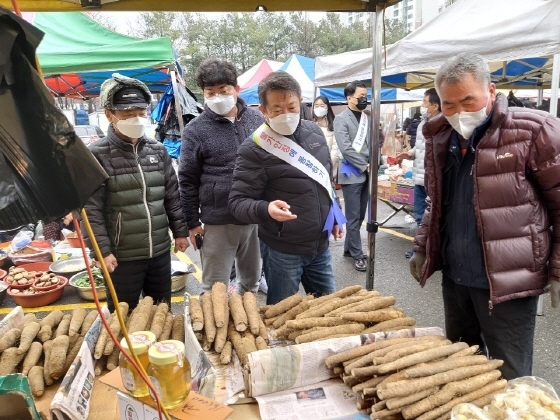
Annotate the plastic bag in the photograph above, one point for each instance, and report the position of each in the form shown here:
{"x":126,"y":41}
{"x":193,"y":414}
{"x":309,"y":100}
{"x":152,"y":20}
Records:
{"x":467,"y":412}
{"x":21,"y":240}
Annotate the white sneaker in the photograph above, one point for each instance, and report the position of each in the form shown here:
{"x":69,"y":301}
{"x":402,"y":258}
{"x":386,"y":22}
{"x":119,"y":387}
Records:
{"x":263,"y":287}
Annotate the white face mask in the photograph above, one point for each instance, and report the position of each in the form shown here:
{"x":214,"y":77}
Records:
{"x":132,"y":127}
{"x":320,"y":111}
{"x":465,"y":122}
{"x":220,"y":104}
{"x":284,"y":124}
{"x":423,"y":111}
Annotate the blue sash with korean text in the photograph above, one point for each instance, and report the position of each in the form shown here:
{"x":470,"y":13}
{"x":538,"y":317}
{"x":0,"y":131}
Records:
{"x":293,"y":154}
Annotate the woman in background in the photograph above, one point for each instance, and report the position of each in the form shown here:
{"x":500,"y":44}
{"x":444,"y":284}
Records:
{"x":323,"y":115}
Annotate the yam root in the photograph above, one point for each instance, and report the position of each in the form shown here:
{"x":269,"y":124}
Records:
{"x":209,"y":323}
{"x":158,"y":320}
{"x":329,"y":306}
{"x":71,"y":356}
{"x":252,"y":311}
{"x":394,"y":403}
{"x":306,"y":323}
{"x":260,"y":343}
{"x":57,"y":358}
{"x":471,"y":384}
{"x":379,"y":315}
{"x":370,"y":383}
{"x":167,"y":326}
{"x":322,"y":334}
{"x":63,"y":326}
{"x":467,"y":352}
{"x":291,"y":314}
{"x":219,"y":302}
{"x":197,"y":317}
{"x":88,"y":321}
{"x":47,"y":346}
{"x":141,"y":317}
{"x":48,"y":324}
{"x":345,"y":304}
{"x":36,"y":381}
{"x":32,"y":356}
{"x":100,"y":366}
{"x":27,"y":319}
{"x":78,"y":317}
{"x":115,"y":327}
{"x":238,"y":312}
{"x":391,"y":325}
{"x":283,"y":306}
{"x":9,"y":360}
{"x":270,"y":321}
{"x":113,"y":359}
{"x":10,"y":338}
{"x":102,"y":339}
{"x":225,"y":355}
{"x":409,"y":386}
{"x":384,"y":413}
{"x":408,"y":350}
{"x":221,"y":332}
{"x":263,"y":333}
{"x":28,"y":334}
{"x":347,"y":291}
{"x":364,"y":298}
{"x":374,"y":304}
{"x":426,"y":369}
{"x":178,"y":330}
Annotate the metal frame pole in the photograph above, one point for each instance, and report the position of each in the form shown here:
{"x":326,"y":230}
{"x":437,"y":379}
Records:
{"x":554,"y":84}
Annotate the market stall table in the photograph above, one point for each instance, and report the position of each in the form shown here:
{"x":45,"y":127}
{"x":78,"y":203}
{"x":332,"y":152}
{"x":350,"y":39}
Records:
{"x":397,"y":197}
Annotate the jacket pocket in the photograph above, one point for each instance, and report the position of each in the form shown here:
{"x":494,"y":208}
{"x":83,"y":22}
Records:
{"x":118,"y":230}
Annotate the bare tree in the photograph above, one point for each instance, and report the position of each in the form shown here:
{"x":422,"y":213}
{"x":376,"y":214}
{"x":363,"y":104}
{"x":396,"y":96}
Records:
{"x":103,"y":19}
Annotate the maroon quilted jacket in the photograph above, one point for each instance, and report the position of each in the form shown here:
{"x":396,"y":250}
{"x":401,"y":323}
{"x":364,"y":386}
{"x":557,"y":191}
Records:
{"x":516,"y":199}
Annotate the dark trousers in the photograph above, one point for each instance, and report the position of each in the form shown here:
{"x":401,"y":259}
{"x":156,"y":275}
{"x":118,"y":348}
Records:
{"x":507,"y":333}
{"x":151,"y":277}
{"x":355,"y":206}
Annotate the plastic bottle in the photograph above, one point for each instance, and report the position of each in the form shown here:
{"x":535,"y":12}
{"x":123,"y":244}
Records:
{"x":141,"y":342}
{"x":170,"y":372}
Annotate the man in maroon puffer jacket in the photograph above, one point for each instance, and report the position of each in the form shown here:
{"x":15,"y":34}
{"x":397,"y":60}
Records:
{"x":493,"y":182}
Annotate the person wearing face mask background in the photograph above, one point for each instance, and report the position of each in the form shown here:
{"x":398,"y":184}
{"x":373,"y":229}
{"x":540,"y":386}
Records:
{"x":493,"y":182}
{"x":323,"y":115}
{"x":208,"y":150}
{"x":352,"y":134}
{"x":132,"y":213}
{"x":282,"y":182}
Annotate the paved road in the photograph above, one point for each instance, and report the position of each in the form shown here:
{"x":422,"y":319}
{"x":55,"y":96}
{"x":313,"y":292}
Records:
{"x":392,"y":278}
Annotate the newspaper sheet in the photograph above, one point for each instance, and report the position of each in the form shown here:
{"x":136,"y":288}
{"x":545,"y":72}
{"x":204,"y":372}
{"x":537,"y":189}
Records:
{"x":13,"y":320}
{"x":282,"y":368}
{"x":330,"y":399}
{"x":72,"y":400}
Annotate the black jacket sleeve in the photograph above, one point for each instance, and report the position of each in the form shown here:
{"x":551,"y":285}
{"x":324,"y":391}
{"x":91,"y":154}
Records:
{"x":95,"y":212}
{"x":190,"y":171}
{"x":172,"y":202}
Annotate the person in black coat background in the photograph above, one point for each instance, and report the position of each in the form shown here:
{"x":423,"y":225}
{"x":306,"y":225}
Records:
{"x":413,"y":128}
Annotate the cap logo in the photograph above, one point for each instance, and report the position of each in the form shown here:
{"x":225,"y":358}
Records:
{"x":130,"y":95}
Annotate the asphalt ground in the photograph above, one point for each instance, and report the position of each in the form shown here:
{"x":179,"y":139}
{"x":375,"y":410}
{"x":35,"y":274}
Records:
{"x":392,"y":277}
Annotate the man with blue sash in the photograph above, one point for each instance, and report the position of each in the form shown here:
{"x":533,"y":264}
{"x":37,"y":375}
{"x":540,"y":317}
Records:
{"x":283,"y":182}
{"x":352,"y":134}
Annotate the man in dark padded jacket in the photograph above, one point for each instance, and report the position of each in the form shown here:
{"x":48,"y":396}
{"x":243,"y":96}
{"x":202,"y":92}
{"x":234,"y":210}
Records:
{"x":131,"y":214}
{"x":282,"y":182}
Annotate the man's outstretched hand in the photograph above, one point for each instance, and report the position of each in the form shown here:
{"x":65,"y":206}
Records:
{"x":280,"y":211}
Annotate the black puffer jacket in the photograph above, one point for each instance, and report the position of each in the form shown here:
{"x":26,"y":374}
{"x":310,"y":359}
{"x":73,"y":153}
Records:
{"x":412,"y":130}
{"x":131,"y":214}
{"x":261,"y":177}
{"x":208,"y":150}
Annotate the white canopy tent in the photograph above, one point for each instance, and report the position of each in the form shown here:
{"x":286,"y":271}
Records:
{"x":510,"y":34}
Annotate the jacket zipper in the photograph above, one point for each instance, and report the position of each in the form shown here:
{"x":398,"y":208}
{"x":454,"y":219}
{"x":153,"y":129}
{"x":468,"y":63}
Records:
{"x":118,"y":230}
{"x":144,"y":198}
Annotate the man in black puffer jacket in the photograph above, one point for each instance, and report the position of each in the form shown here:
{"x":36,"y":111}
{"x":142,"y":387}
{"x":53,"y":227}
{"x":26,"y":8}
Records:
{"x":208,"y":152}
{"x":290,"y":207}
{"x":131,"y":214}
{"x":413,"y":128}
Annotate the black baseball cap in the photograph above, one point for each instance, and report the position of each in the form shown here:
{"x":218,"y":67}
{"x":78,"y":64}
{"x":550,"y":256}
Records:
{"x":130,"y":98}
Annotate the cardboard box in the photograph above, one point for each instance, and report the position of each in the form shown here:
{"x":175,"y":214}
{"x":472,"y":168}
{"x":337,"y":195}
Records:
{"x":384,"y":189}
{"x":16,"y":400}
{"x":402,"y":195}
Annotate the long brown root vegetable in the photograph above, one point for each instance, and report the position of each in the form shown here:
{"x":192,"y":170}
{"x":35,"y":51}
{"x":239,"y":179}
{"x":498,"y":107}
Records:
{"x":306,"y":323}
{"x":283,"y":306}
{"x":467,"y":352}
{"x":263,"y":333}
{"x":340,"y":329}
{"x":347,"y":291}
{"x":330,"y":306}
{"x":291,"y":314}
{"x":394,"y":403}
{"x":28,"y":334}
{"x":32,"y":356}
{"x":479,"y":393}
{"x":178,"y":330}
{"x":426,"y":369}
{"x":429,"y":403}
{"x":225,"y":355}
{"x":63,"y":326}
{"x":113,"y":359}
{"x":238,"y":312}
{"x":349,"y":302}
{"x":391,"y":325}
{"x":260,"y":343}
{"x":88,"y":321}
{"x":9,"y":360}
{"x":158,"y":320}
{"x":27,"y":319}
{"x":48,"y":323}
{"x":209,"y":323}
{"x":408,"y":386}
{"x":373,"y":304}
{"x":36,"y":381}
{"x":10,"y":338}
{"x":71,"y":356}
{"x":296,"y":333}
{"x":315,"y":308}
{"x":247,"y":346}
{"x":221,"y":332}
{"x":100,"y":366}
{"x":167,"y":326}
{"x":271,"y":321}
{"x":422,"y":357}
{"x":47,"y":346}
{"x":219,"y":302}
{"x":252,"y":311}
{"x":409,"y":350}
{"x":384,"y":413}
{"x":57,"y":358}
{"x":142,"y":315}
{"x":378,"y":315}
{"x":470,"y":384}
{"x":197,"y":317}
{"x":78,"y":317}
{"x":102,"y":339}
{"x":115,"y":327}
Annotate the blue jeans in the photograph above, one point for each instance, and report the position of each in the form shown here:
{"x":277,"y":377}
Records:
{"x":284,"y":273}
{"x":419,"y":203}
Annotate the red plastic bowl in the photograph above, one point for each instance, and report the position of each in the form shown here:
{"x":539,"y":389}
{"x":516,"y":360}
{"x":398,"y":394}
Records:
{"x":38,"y":299}
{"x":61,"y":280}
{"x":38,"y":266}
{"x":16,"y":286}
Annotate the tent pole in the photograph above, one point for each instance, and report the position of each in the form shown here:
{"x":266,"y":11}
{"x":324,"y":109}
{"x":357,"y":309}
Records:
{"x":372,"y":225}
{"x":177,"y":102}
{"x":540,"y":92}
{"x":554,"y":84}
